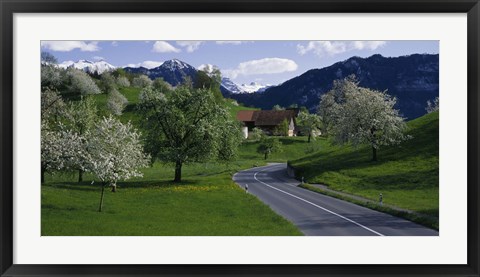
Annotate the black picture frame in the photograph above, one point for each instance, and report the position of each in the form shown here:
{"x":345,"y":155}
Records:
{"x":9,"y":7}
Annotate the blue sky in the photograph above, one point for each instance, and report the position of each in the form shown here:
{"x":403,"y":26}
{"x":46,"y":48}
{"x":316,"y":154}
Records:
{"x":267,"y":62}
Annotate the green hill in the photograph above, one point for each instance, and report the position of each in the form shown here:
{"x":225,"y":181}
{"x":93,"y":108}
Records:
{"x":407,"y":175}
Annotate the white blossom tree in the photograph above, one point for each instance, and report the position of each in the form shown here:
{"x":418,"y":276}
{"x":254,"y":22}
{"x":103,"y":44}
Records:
{"x":278,"y":108}
{"x":122,"y":81}
{"x":257,"y":134}
{"x":116,"y":102}
{"x":433,"y":107}
{"x":160,"y":85}
{"x":141,"y":81}
{"x":309,"y":123}
{"x":329,"y":107}
{"x":81,"y":117}
{"x":60,"y":148}
{"x":116,"y":153}
{"x":51,"y":76}
{"x":80,"y":83}
{"x":108,"y":82}
{"x":366,"y":116}
{"x":52,"y":105}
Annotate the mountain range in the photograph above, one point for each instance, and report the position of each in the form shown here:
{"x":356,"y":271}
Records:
{"x":412,"y":79}
{"x":173,"y":71}
{"x":89,"y":66}
{"x":228,"y":86}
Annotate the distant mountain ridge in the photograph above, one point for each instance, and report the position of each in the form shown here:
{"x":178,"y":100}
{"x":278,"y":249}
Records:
{"x":412,"y":79}
{"x":173,"y":71}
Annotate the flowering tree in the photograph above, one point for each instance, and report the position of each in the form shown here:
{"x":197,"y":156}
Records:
{"x":309,"y":123}
{"x":116,"y":102}
{"x":116,"y":153}
{"x":81,"y":116}
{"x":433,"y":107}
{"x":141,"y":81}
{"x":51,"y":76}
{"x":257,"y":134}
{"x":122,"y":81}
{"x":329,"y":107}
{"x":60,"y":148}
{"x":108,"y":82}
{"x":52,"y":105}
{"x":160,"y":85}
{"x":362,"y":115}
{"x":269,"y":145}
{"x":80,"y":83}
{"x":187,"y":125}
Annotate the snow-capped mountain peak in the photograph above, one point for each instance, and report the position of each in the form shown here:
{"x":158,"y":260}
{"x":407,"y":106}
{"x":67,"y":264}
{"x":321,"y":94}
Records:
{"x":88,"y":66}
{"x":243,"y":88}
{"x":175,"y":64}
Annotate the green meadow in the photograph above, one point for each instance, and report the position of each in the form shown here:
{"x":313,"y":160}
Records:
{"x":208,"y":202}
{"x":406,"y":175}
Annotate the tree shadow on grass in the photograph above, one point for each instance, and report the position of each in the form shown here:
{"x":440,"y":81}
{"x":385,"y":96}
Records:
{"x":55,"y":207}
{"x":406,"y":181}
{"x":288,"y":141}
{"x":354,"y":159}
{"x":88,"y":186}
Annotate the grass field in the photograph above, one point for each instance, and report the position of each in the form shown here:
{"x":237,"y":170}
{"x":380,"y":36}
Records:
{"x":206,"y":203}
{"x":407,"y":175}
{"x":209,"y":203}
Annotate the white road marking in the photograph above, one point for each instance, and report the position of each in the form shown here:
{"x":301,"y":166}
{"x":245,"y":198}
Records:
{"x":315,"y":205}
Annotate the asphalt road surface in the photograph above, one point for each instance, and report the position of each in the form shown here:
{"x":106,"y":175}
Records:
{"x":320,"y":215}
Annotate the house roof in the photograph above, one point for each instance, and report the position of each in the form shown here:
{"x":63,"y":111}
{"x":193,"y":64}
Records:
{"x":245,"y":116}
{"x":266,"y":118}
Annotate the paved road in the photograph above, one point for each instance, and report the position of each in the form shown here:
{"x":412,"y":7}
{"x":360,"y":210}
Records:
{"x":320,"y":215}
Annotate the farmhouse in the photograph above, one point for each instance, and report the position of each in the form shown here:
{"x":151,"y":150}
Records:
{"x":268,"y":120}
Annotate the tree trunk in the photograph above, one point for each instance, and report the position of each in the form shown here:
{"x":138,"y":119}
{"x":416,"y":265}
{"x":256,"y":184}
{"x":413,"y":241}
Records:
{"x":266,"y":155}
{"x":80,"y":175}
{"x":43,"y":175}
{"x":309,"y":137}
{"x":373,"y":142}
{"x":178,"y":172}
{"x":114,"y":187}
{"x":101,"y":198}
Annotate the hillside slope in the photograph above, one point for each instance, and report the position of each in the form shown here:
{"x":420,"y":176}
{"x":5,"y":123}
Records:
{"x":407,"y":175}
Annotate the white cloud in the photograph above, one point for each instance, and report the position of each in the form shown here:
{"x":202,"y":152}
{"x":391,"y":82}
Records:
{"x":164,"y":47}
{"x":190,"y":45}
{"x":234,"y":42}
{"x":331,"y":48}
{"x":114,"y":43}
{"x":98,"y":58}
{"x":146,"y":64}
{"x":262,"y":66}
{"x":370,"y":45}
{"x":66,"y":46}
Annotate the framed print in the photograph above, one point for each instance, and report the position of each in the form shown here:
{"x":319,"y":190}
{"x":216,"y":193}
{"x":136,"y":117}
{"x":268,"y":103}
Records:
{"x":239,"y":138}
